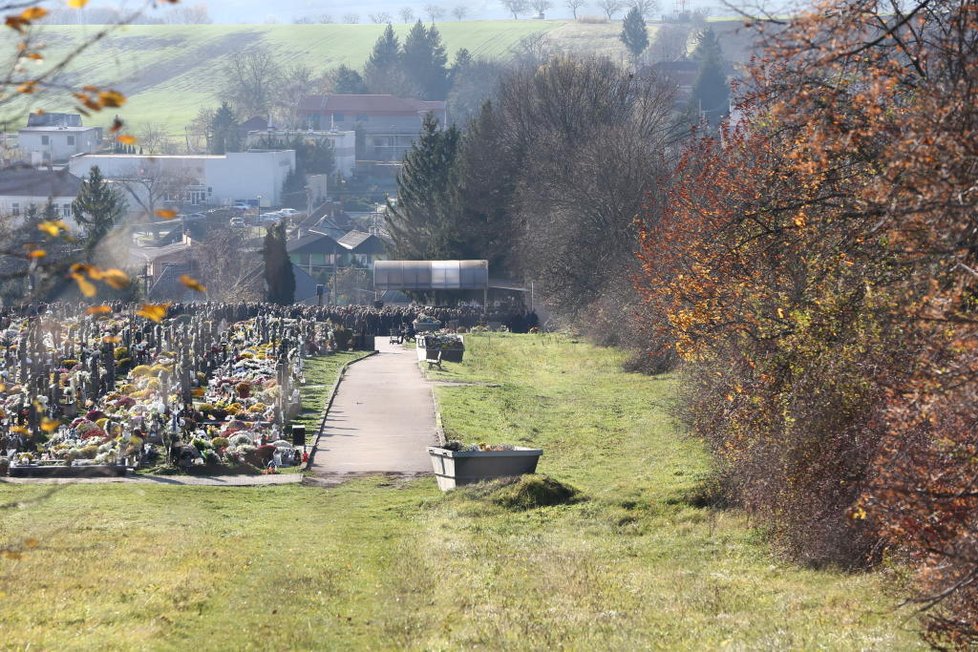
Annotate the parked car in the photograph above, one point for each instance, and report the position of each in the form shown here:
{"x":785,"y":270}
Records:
{"x":288,"y":212}
{"x":236,"y":222}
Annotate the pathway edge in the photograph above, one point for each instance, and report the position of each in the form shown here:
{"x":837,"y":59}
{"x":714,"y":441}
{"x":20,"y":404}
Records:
{"x":329,"y":404}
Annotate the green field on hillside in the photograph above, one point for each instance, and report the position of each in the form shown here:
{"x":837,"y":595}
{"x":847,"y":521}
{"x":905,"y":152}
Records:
{"x":170,"y":71}
{"x":384,"y":563}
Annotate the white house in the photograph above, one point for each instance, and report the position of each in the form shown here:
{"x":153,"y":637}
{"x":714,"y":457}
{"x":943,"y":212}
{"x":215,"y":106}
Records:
{"x":56,"y":137}
{"x":23,"y":187}
{"x":195,"y":180}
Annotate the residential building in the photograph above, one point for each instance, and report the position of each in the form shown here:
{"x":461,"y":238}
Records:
{"x":386,"y":125}
{"x":344,"y":144}
{"x":23,"y":187}
{"x":194,"y":180}
{"x":56,"y":137}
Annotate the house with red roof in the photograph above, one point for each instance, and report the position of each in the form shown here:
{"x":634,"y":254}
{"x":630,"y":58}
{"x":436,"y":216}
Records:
{"x":386,"y":126}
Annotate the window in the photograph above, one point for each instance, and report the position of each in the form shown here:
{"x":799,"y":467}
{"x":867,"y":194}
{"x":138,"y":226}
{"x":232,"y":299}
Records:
{"x":338,"y":117}
{"x":71,"y":140}
{"x":66,"y":210}
{"x":45,"y":140}
{"x":362,"y":117}
{"x":15,"y":208}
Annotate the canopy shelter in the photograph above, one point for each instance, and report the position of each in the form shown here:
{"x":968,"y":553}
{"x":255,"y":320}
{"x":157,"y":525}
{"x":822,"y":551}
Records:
{"x":431,"y":275}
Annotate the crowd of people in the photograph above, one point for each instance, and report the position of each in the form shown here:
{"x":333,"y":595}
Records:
{"x":359,"y":319}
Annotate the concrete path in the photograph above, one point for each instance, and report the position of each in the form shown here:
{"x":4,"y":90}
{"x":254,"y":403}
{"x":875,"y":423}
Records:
{"x":382,"y":419}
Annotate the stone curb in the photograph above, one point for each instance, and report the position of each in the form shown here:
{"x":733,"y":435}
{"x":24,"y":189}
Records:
{"x":329,"y":404}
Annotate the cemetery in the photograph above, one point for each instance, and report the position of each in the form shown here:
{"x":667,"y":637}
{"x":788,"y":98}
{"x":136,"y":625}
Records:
{"x":108,"y":392}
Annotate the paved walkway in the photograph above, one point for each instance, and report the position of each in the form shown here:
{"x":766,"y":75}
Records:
{"x":382,"y":419}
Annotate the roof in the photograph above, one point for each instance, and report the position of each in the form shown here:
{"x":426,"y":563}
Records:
{"x":376,"y":104}
{"x":66,"y":130}
{"x":54,"y":120}
{"x":363,"y":243}
{"x":169,"y":287}
{"x":313,"y":242}
{"x":254,"y":124}
{"x":176,"y":252}
{"x":32,"y":182}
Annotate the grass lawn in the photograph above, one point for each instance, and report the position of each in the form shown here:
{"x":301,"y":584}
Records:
{"x":387,"y":564}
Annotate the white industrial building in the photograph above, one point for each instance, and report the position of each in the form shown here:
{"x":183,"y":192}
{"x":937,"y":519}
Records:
{"x":196,"y":180}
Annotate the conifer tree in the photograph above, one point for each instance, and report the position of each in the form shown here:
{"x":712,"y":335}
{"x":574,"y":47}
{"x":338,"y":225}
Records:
{"x":224,"y":135}
{"x":279,"y":276}
{"x":711,"y":94}
{"x":97,"y":208}
{"x":383,"y":72}
{"x":634,"y":33}
{"x":348,"y":80}
{"x":425,"y":222}
{"x":425,"y":62}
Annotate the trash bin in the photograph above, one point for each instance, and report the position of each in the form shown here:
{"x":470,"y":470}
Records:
{"x":298,"y":435}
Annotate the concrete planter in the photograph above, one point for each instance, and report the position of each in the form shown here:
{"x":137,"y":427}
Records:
{"x":457,"y":468}
{"x":425,"y":352}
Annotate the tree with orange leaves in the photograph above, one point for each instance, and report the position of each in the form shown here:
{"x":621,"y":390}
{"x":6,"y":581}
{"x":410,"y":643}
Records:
{"x":817,"y":268}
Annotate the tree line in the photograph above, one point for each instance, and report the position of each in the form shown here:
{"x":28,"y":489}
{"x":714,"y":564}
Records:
{"x":814,"y":266}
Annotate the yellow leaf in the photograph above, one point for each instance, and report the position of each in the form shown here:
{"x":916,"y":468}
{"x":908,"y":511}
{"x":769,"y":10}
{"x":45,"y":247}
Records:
{"x":77,"y":4}
{"x":31,"y":543}
{"x":192,"y":283}
{"x":37,"y":253}
{"x":116,"y":278}
{"x":111,"y":98}
{"x":49,"y":425}
{"x":15,"y":23}
{"x":152,"y":311}
{"x":33,"y":13}
{"x":780,"y":313}
{"x":98,"y":310}
{"x":21,"y":430}
{"x":27,"y":88}
{"x":126,"y":139}
{"x":111,"y":339}
{"x":12,"y":554}
{"x":52,"y":227}
{"x":84,"y":285}
{"x":166,"y":214}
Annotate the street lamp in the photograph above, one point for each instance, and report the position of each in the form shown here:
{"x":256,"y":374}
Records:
{"x":258,"y":217}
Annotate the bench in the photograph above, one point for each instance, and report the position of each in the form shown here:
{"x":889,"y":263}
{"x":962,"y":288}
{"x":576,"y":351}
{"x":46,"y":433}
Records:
{"x":396,"y":337}
{"x":434,"y":362}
